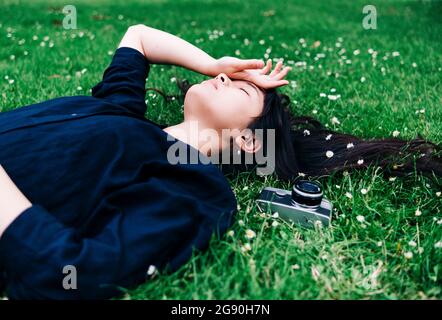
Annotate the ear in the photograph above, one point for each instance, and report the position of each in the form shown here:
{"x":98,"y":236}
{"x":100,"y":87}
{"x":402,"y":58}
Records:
{"x":248,"y":143}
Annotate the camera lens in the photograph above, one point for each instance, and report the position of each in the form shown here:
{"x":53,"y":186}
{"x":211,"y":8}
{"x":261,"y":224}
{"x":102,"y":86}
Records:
{"x":307,"y":193}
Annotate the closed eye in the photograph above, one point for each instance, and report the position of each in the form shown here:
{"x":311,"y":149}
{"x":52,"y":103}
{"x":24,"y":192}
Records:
{"x":244,"y":91}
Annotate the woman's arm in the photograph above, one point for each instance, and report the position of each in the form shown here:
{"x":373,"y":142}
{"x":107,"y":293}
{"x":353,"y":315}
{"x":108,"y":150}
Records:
{"x":12,"y":201}
{"x":160,"y":47}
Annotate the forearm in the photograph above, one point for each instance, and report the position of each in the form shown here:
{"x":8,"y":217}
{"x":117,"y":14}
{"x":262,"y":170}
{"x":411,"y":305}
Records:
{"x":161,"y":47}
{"x":12,"y":201}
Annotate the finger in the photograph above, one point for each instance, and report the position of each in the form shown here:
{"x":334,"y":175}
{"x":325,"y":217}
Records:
{"x":282,"y":74}
{"x":269,"y":84}
{"x":275,"y":84}
{"x":277,"y":69}
{"x":267,"y":68}
{"x":249,"y":64}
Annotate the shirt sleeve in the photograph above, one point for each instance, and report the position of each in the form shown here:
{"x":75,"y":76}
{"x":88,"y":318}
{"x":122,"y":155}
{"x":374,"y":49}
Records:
{"x":124,"y":80}
{"x":161,"y":227}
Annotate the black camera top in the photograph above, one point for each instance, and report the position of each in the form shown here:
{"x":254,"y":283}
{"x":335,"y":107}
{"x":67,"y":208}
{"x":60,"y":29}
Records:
{"x":307,"y":193}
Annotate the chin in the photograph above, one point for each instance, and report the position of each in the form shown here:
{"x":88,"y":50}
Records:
{"x":198,"y":98}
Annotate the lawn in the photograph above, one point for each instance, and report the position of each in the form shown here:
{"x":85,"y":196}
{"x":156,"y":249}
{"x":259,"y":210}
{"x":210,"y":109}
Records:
{"x":385,"y":243}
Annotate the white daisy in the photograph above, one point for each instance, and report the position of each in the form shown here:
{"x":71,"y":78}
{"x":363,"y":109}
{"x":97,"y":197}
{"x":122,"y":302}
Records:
{"x":364,"y":191}
{"x":335,"y":120}
{"x":348,"y":195}
{"x":329,"y":154}
{"x":333,"y":97}
{"x":250,"y":234}
{"x":350,"y":145}
{"x":306,"y":132}
{"x":151,"y":270}
{"x":396,"y":133}
{"x":360,"y":219}
{"x":418,"y":213}
{"x":360,"y":161}
{"x":408,"y":255}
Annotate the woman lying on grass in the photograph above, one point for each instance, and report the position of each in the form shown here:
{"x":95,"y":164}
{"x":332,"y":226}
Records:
{"x":89,"y":200}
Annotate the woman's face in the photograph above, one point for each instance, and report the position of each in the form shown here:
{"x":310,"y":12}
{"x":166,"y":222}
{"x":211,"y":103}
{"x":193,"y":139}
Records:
{"x":222,"y":103}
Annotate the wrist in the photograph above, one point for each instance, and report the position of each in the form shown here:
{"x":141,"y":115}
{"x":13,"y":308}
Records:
{"x":211,"y":68}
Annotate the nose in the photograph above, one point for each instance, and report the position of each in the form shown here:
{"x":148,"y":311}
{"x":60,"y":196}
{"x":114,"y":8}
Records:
{"x":223,"y":78}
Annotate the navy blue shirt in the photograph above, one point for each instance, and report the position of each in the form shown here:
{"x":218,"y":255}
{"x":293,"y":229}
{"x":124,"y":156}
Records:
{"x":105,"y":198}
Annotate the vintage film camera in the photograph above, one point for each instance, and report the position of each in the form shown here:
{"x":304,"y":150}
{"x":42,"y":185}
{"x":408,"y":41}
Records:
{"x":303,"y":205}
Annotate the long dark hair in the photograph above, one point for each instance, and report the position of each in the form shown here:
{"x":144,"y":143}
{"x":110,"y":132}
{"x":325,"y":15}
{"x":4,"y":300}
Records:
{"x":304,"y":146}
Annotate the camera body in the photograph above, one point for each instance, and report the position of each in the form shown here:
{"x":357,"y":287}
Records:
{"x":303,"y":205}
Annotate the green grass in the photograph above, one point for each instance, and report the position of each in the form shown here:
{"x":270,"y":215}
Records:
{"x":350,"y":260}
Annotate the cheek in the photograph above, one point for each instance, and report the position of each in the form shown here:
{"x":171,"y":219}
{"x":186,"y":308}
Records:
{"x":236,"y":113}
{"x":226,"y":111}
{"x":219,"y":111}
